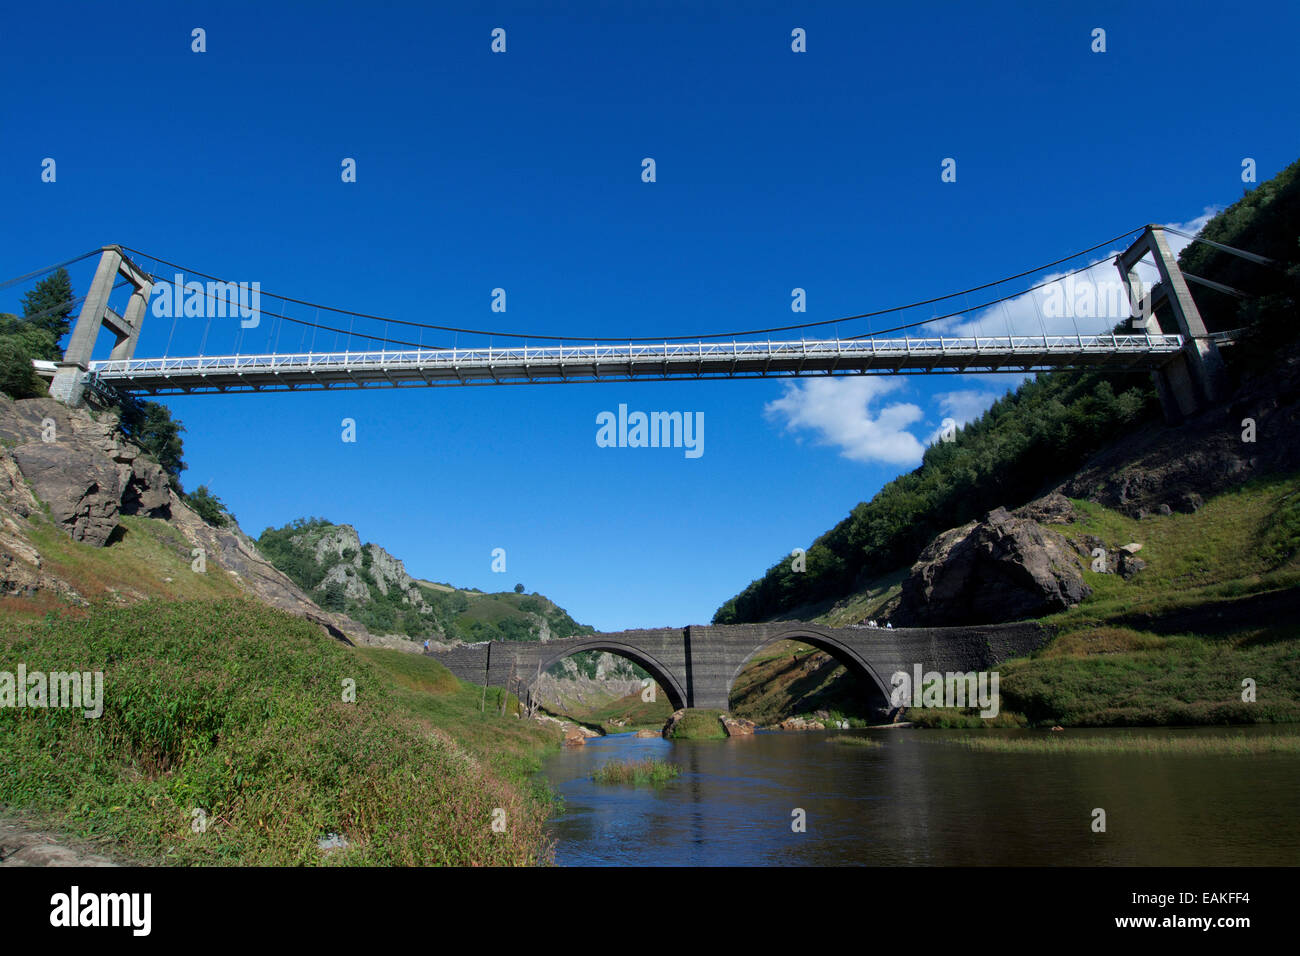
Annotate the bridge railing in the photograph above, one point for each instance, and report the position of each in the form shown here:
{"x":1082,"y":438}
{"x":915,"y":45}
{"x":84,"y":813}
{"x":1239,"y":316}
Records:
{"x":643,"y":353}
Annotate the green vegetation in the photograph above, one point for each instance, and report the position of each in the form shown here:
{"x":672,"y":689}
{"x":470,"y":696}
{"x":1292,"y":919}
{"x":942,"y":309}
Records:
{"x":1171,"y":645}
{"x":239,"y":711}
{"x":147,"y":559}
{"x":48,"y":307}
{"x":152,"y":427}
{"x":630,"y":712}
{"x":17,"y":377}
{"x":636,"y":772}
{"x":699,"y":725}
{"x":209,"y":507}
{"x":1236,"y":746}
{"x":1026,"y":440}
{"x":790,"y":678}
{"x":1239,"y":543}
{"x":965,"y":718}
{"x":1043,"y":431}
{"x":854,"y":741}
{"x":448,"y":613}
{"x":1265,"y":221}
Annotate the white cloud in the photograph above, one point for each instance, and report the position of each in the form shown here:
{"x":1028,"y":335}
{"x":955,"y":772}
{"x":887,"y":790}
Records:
{"x":839,"y":412}
{"x":1177,"y":243}
{"x":1090,"y":301}
{"x":965,"y":405}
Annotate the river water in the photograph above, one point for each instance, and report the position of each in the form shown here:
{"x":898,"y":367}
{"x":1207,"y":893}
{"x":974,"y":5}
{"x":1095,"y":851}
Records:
{"x":921,"y":799}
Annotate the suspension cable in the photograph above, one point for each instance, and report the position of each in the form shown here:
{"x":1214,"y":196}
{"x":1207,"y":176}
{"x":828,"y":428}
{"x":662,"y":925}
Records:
{"x":31,"y":275}
{"x":652,"y":338}
{"x":1224,"y":247}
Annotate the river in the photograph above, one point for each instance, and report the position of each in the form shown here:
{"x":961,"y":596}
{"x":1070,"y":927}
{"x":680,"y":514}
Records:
{"x":920,"y":799}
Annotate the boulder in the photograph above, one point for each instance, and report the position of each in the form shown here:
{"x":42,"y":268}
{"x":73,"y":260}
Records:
{"x":670,"y":725}
{"x":1050,"y":509}
{"x":736,"y":726}
{"x":1004,"y":568}
{"x":800,"y":723}
{"x":1127,"y":565}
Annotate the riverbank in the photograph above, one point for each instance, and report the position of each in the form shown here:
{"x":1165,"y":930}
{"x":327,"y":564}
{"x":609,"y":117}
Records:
{"x":232,"y":733}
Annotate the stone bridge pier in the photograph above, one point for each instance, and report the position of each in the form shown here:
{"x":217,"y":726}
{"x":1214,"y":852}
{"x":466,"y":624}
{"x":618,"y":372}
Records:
{"x":696,"y":666}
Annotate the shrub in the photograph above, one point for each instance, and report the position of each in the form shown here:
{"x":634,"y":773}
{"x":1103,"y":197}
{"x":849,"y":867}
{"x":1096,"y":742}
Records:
{"x":17,"y":377}
{"x":209,"y":507}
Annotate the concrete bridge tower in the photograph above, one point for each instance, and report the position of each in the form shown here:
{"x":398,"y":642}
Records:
{"x":1195,"y":378}
{"x":70,"y":379}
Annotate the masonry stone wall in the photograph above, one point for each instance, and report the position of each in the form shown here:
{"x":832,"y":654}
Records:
{"x":697,"y":665}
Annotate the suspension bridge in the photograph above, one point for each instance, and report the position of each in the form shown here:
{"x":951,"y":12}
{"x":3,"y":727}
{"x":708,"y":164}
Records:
{"x":1164,"y":333}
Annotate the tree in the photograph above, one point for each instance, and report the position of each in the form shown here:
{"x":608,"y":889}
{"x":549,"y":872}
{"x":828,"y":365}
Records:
{"x":17,"y":377}
{"x":209,"y":507}
{"x":335,"y":597}
{"x":519,"y":589}
{"x":37,"y":341}
{"x":49,"y":304}
{"x":150,"y":426}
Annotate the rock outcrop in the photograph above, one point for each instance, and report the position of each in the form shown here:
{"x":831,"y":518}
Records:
{"x":737,"y":726}
{"x":1163,"y":470}
{"x":1006,"y":567}
{"x":80,"y":469}
{"x":351,"y":563}
{"x":800,"y":723}
{"x":566,"y":686}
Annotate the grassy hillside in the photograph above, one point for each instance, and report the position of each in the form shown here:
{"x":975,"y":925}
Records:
{"x":1025,"y":442}
{"x":1214,"y":605}
{"x":1038,"y":435}
{"x":147,"y":559}
{"x":790,"y":678}
{"x":237,"y":710}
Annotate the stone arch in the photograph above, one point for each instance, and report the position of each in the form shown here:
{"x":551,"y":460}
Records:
{"x":842,"y":652}
{"x":659,"y":671}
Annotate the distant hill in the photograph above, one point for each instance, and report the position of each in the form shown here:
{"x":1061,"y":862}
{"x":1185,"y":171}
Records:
{"x":372,"y":587}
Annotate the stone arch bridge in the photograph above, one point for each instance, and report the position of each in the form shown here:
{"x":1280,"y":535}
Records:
{"x":697,"y":665}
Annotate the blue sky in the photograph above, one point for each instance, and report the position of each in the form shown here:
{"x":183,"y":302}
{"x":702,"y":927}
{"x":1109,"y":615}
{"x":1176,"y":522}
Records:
{"x":522,"y":170}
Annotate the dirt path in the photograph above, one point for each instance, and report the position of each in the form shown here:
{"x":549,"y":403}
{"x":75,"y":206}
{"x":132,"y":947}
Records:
{"x":22,"y":844}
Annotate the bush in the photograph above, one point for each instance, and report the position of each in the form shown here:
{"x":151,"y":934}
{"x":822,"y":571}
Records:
{"x":209,"y":507}
{"x":151,"y":426}
{"x":17,"y":377}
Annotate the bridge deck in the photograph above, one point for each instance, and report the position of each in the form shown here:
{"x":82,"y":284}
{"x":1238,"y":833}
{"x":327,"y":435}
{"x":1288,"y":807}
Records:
{"x":597,"y":363}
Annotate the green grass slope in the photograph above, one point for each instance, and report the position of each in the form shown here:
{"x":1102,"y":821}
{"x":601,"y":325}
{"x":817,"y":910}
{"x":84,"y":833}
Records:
{"x":238,"y":710}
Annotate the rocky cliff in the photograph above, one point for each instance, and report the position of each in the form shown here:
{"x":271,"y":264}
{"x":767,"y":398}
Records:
{"x":73,"y":470}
